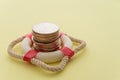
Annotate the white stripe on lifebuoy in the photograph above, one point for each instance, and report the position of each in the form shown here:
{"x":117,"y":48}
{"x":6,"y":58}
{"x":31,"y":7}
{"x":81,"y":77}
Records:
{"x":47,"y":57}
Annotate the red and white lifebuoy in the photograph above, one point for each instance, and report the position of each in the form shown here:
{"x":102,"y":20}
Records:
{"x":48,"y":57}
{"x":42,"y":58}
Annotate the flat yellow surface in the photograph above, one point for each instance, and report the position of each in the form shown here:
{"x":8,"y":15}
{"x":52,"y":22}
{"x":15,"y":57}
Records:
{"x":95,"y":21}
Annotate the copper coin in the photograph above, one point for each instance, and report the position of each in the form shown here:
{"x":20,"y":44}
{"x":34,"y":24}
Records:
{"x":56,"y":43}
{"x":46,"y":36}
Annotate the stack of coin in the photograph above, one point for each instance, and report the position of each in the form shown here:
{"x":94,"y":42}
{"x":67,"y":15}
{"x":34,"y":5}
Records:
{"x":46,"y":37}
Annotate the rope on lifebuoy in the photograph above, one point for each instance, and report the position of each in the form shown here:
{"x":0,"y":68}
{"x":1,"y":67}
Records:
{"x":35,"y":60}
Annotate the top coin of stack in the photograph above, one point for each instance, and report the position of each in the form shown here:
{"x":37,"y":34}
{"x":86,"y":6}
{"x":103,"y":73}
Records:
{"x":46,"y":36}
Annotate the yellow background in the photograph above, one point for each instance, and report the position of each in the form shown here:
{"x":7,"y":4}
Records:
{"x":95,"y":21}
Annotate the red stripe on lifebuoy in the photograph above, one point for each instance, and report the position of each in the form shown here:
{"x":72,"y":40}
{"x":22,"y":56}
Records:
{"x":67,"y":52}
{"x":61,"y":34}
{"x":29,"y":55}
{"x":29,"y":36}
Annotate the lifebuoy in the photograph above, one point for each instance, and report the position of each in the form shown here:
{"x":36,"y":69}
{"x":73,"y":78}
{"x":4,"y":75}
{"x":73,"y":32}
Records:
{"x":40,"y":58}
{"x":48,"y":57}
